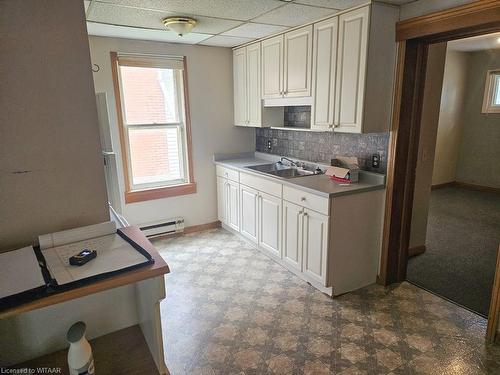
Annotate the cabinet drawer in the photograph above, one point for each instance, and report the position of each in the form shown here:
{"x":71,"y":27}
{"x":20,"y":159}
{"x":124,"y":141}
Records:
{"x":308,"y":200}
{"x":228,"y":173}
{"x":261,"y":184}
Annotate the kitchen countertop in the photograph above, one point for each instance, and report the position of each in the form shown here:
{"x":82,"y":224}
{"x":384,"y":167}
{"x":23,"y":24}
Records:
{"x":316,"y":184}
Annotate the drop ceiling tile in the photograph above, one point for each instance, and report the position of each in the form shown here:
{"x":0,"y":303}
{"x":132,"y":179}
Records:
{"x":101,"y":29}
{"x":294,"y":15}
{"x":333,"y":4}
{"x":152,"y":19}
{"x":254,"y":30}
{"x":233,"y":9}
{"x":225,"y":41}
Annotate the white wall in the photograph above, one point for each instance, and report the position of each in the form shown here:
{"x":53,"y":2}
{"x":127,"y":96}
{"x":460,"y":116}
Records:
{"x":479,"y":152}
{"x":427,"y":143}
{"x":450,"y":118}
{"x":211,"y":103}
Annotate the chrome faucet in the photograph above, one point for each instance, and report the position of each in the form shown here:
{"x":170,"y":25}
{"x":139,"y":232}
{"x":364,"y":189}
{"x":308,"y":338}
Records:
{"x":290,"y":160}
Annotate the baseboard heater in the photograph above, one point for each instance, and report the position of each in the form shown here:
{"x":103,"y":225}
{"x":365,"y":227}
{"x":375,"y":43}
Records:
{"x":164,"y":228}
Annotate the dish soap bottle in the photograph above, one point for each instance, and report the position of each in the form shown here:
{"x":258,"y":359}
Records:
{"x":80,"y":359}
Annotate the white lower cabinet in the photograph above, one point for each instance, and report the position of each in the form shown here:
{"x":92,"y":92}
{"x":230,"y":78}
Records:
{"x":305,"y":241}
{"x":270,"y":224}
{"x":333,"y":243}
{"x":221,"y":198}
{"x":233,"y":205}
{"x":249,"y":212}
{"x":292,"y":235}
{"x":228,"y":205}
{"x":315,"y":246}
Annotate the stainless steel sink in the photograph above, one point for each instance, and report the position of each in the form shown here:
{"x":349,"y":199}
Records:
{"x":280,"y":170}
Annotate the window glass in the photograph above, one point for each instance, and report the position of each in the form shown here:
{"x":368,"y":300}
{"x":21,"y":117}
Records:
{"x":149,"y":95}
{"x":496,"y":92}
{"x":154,"y":155}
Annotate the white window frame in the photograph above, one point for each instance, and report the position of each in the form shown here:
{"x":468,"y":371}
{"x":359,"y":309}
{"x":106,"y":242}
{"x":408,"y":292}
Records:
{"x":490,"y":88}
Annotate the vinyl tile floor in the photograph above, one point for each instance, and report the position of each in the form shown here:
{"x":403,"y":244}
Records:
{"x":232,"y":310}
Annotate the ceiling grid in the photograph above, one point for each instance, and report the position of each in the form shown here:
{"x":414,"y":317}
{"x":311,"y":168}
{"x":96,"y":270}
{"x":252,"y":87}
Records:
{"x":224,"y":23}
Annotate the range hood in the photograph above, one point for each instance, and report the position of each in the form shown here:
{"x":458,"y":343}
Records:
{"x":287,"y":102}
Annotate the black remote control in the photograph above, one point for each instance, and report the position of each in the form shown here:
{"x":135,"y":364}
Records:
{"x":82,"y":257}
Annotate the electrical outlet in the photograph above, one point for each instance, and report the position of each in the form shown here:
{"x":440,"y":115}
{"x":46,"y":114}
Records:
{"x":375,"y":161}
{"x":269,"y":144}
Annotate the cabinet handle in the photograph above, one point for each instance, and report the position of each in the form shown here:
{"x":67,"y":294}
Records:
{"x":303,"y":199}
{"x":336,"y":125}
{"x":305,"y":214}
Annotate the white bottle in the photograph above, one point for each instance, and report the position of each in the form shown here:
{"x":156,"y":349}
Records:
{"x":80,"y":359}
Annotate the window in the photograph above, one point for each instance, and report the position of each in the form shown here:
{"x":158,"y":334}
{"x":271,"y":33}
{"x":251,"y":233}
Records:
{"x":491,"y":101}
{"x":154,"y":126}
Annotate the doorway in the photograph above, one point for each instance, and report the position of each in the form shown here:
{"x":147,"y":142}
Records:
{"x":414,"y":37}
{"x":455,"y":227}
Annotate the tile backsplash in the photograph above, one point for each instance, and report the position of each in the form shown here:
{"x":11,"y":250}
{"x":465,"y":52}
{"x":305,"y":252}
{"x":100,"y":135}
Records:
{"x":297,"y":117}
{"x":321,"y":147}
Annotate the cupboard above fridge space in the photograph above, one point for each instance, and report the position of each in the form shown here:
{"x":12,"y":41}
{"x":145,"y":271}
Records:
{"x":341,"y":66}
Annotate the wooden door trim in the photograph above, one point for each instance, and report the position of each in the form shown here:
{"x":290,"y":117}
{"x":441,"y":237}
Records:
{"x":494,"y":312}
{"x":403,"y":148}
{"x":452,"y":23}
{"x":414,"y":37}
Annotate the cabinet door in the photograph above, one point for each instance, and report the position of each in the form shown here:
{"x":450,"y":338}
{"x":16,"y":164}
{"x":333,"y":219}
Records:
{"x":248,"y":212}
{"x":351,"y":70}
{"x":315,"y":245}
{"x":221,"y":199}
{"x":270,"y":224}
{"x":240,"y":86}
{"x":292,"y":234}
{"x":233,"y":203}
{"x":323,"y":73}
{"x":253,"y":85}
{"x":272,"y":67}
{"x":298,"y":62}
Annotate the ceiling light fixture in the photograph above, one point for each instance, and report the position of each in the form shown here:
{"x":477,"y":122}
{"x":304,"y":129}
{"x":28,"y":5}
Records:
{"x":180,"y":25}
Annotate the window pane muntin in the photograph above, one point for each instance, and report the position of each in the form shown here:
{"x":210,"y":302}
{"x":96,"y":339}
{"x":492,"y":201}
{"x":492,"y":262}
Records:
{"x":156,"y":156}
{"x":149,"y":95}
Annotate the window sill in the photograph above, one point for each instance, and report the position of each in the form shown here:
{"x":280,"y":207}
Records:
{"x":158,"y":193}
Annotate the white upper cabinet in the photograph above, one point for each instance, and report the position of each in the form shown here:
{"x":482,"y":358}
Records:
{"x":286,"y":64}
{"x":254,"y":106}
{"x":272,"y":67}
{"x":343,"y":65}
{"x":323,"y":72}
{"x":240,"y":86}
{"x":351,"y":70}
{"x":366,"y":55}
{"x":297,"y":62}
{"x":247,"y":69}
